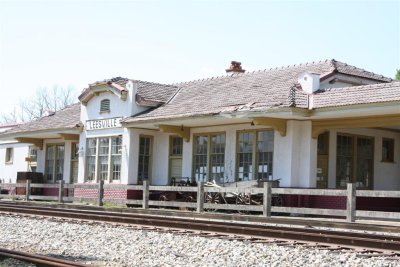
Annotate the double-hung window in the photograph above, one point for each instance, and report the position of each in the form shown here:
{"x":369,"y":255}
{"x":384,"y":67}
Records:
{"x":255,"y":151}
{"x":103,"y":158}
{"x":91,"y":149}
{"x":209,"y":157}
{"x":145,"y":148}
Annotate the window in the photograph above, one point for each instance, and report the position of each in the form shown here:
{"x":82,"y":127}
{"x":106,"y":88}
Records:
{"x":354,"y":160}
{"x":145,"y":147}
{"x":255,"y":148}
{"x":54,"y":163}
{"x":116,"y":157}
{"x":104,"y":145}
{"x":217,"y":157}
{"x":387,"y":150}
{"x":105,"y":106}
{"x":200,"y":157}
{"x":9,"y":155}
{"x":209,"y":157}
{"x":344,"y":160}
{"x":91,"y":159}
{"x":75,"y":151}
{"x":32,"y":159}
{"x":33,"y":154}
{"x":74,"y":162}
{"x":104,"y":153}
{"x":176,"y":146}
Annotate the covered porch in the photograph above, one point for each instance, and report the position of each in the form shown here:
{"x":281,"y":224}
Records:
{"x":316,"y":153}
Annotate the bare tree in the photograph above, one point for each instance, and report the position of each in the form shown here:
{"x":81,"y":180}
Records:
{"x":43,"y":100}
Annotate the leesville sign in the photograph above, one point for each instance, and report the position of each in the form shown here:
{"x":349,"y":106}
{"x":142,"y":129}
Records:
{"x":103,"y":124}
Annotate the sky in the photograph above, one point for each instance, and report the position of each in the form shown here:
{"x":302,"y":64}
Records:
{"x":74,"y":43}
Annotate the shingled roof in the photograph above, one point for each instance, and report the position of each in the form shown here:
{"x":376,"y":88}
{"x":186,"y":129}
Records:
{"x":366,"y":94}
{"x":148,"y":91}
{"x":257,"y":91}
{"x":67,"y":118}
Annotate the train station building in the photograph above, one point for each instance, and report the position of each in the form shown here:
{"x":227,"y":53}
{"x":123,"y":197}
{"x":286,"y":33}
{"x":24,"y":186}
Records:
{"x":316,"y":125}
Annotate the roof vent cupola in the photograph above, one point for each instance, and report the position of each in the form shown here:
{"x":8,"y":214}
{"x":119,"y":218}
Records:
{"x":235,"y":67}
{"x":48,"y":113}
{"x":309,"y":82}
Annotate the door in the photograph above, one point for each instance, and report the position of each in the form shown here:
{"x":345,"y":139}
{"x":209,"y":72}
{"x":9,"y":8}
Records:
{"x":323,"y":160}
{"x":365,"y":161}
{"x":175,"y":158}
{"x":54,"y":170}
{"x":355,"y":159}
{"x":145,"y":156}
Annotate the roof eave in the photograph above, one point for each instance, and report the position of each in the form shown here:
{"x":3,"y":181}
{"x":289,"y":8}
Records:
{"x":370,"y":109}
{"x":282,"y":112}
{"x":6,"y":136}
{"x":114,"y":88}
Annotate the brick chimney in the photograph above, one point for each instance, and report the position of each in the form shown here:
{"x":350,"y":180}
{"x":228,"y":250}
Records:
{"x":235,"y":67}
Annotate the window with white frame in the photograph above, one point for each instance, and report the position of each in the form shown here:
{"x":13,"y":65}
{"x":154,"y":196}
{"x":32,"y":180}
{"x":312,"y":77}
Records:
{"x":116,"y":152}
{"x":103,"y":158}
{"x":254,"y":155}
{"x":91,"y":149}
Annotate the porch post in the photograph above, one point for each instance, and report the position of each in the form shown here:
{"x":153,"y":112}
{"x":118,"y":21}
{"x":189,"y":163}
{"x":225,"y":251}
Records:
{"x":27,"y":189}
{"x":267,"y":201}
{"x":60,"y":191}
{"x":351,"y":202}
{"x":101,"y":193}
{"x":146,"y":194}
{"x":200,"y":197}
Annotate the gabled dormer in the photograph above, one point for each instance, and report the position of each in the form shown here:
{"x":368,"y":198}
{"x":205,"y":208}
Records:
{"x":116,"y":86}
{"x":122,"y":97}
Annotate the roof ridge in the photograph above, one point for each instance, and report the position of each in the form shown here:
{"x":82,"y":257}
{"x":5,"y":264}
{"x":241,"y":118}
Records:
{"x":155,"y":83}
{"x":252,"y":72}
{"x":335,"y":65}
{"x":113,"y":79}
{"x":373,"y":85}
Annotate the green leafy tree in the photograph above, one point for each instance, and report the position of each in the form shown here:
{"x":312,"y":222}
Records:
{"x":398,"y":75}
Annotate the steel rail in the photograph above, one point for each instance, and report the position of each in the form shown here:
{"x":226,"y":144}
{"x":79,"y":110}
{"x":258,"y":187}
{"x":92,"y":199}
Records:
{"x":351,"y":239}
{"x":39,"y":260}
{"x":223,"y":216}
{"x":145,"y":216}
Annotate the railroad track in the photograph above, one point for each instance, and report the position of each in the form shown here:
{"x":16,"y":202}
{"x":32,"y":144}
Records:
{"x":365,"y":244}
{"x":38,"y":260}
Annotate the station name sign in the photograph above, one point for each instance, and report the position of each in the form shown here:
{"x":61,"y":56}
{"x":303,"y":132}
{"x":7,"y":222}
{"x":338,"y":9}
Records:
{"x":103,"y":124}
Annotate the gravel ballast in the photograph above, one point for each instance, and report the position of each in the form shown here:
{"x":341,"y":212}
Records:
{"x":108,"y":245}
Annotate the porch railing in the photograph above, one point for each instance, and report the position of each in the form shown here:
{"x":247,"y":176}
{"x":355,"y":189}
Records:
{"x":199,"y":193}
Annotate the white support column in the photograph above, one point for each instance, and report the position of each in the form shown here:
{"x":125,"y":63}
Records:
{"x":96,"y":168}
{"x":133,"y":158}
{"x":187,"y":157}
{"x":295,"y":156}
{"x":82,"y":158}
{"x":67,"y":161}
{"x":126,"y":160}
